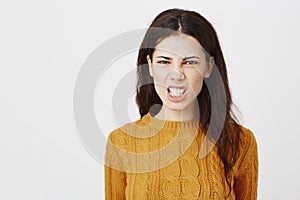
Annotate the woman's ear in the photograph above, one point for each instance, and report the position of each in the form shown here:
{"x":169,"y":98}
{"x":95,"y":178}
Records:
{"x":150,"y":65}
{"x":210,"y":67}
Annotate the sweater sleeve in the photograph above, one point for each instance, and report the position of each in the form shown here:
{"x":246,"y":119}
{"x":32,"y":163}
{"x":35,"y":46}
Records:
{"x":115,"y":180}
{"x":246,"y":178}
{"x":115,"y":183}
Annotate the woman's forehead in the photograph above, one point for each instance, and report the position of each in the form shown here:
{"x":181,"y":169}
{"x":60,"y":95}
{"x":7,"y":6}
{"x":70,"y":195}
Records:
{"x":179,"y":45}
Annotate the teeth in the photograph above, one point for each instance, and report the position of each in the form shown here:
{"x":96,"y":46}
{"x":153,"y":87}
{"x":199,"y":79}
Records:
{"x":176,"y":92}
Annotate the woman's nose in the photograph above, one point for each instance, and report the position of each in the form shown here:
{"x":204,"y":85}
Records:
{"x":176,"y":73}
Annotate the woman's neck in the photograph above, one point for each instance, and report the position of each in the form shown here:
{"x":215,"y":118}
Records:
{"x":191,"y":112}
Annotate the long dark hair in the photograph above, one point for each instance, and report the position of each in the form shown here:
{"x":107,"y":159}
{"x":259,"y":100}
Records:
{"x":192,"y":23}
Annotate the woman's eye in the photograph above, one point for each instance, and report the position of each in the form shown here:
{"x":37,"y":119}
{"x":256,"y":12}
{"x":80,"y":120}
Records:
{"x":163,"y":62}
{"x":191,"y":62}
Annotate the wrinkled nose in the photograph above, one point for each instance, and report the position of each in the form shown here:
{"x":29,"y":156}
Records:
{"x":177,"y":74}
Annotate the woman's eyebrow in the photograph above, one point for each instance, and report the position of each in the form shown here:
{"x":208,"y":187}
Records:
{"x":168,"y":58}
{"x":165,"y":57}
{"x":190,"y":57}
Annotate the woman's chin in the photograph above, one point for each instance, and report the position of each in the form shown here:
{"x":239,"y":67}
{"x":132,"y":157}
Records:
{"x":175,"y":106}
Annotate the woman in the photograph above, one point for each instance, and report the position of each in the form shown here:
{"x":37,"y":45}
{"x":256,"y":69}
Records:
{"x":187,"y":144}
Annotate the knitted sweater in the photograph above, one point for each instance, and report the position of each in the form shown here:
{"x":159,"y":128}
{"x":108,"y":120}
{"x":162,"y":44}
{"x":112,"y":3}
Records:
{"x":156,"y":159}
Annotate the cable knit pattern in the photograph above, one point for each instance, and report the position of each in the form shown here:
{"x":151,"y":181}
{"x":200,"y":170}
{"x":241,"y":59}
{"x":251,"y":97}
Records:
{"x":156,"y":159}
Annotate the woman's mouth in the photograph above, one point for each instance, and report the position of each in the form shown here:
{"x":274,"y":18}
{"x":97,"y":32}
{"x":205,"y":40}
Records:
{"x":176,"y":94}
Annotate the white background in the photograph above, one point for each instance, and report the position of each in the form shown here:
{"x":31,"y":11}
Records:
{"x":44,"y":43}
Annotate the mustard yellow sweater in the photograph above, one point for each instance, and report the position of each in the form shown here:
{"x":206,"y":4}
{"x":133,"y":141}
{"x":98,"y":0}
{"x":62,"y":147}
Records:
{"x":156,"y":159}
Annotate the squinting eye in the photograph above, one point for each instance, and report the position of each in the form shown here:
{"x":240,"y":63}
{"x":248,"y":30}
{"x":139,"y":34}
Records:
{"x":191,"y":62}
{"x":163,"y":62}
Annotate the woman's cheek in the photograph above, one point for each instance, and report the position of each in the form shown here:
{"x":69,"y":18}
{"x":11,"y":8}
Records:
{"x":160,"y":75}
{"x":196,"y":82}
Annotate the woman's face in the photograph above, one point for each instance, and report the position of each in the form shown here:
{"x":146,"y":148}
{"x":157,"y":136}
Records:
{"x":178,"y":68}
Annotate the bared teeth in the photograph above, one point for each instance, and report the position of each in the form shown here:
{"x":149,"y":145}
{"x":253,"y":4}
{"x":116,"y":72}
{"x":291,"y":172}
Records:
{"x":176,"y":91}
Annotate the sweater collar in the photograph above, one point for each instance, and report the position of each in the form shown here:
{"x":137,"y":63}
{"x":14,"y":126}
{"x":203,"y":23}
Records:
{"x":156,"y":123}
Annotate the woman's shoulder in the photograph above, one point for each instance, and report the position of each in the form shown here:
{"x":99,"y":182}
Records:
{"x":248,"y":152}
{"x":247,"y":138}
{"x":122,"y":131}
{"x":127,"y":131}
{"x":140,"y":128}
